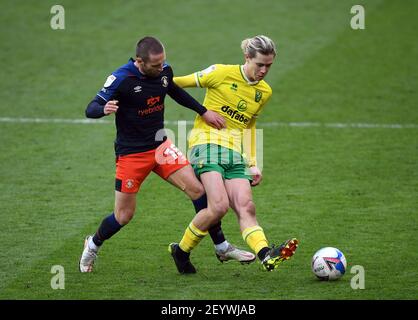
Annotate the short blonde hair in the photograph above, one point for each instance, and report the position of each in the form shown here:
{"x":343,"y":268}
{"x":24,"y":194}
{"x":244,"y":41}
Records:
{"x":260,"y":44}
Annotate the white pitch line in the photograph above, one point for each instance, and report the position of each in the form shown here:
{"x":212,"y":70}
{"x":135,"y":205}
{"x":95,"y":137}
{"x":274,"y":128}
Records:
{"x":54,"y":120}
{"x":339,"y":125}
{"x":259,"y":124}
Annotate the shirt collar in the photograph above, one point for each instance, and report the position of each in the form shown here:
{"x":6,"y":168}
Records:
{"x":245,"y":77}
{"x":132,"y":68}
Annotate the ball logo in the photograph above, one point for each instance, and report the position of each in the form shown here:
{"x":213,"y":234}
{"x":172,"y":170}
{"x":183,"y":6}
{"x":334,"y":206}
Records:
{"x":331,"y":262}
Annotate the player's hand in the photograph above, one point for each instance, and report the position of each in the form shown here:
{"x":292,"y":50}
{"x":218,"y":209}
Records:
{"x":214,"y":119}
{"x":257,"y":176}
{"x":111,"y":107}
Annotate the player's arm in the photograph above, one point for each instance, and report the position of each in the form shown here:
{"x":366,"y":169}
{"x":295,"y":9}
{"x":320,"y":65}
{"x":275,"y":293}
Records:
{"x":105,"y":101}
{"x":250,"y":147}
{"x":249,"y":136}
{"x":186,"y":81}
{"x":250,"y":144}
{"x":98,"y":108}
{"x":183,"y":98}
{"x":186,"y":100}
{"x":210,"y":77}
{"x":95,"y":109}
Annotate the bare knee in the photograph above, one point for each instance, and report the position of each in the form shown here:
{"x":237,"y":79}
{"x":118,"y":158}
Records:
{"x":195,"y":191}
{"x":246,"y":208}
{"x":123,"y":216}
{"x":219,"y":208}
{"x":246,"y":214}
{"x":125,"y":204}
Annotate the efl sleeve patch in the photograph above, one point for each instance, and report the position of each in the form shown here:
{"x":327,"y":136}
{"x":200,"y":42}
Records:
{"x":109,"y":87}
{"x":109,"y":81}
{"x":206,"y":77}
{"x":209,"y":69}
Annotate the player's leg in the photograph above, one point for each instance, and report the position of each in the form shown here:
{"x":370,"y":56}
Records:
{"x":174,"y":167}
{"x":198,"y":227}
{"x":131,"y":170}
{"x":123,"y":213}
{"x":204,"y":158}
{"x":241,"y":201}
{"x":224,"y":250}
{"x":186,"y":180}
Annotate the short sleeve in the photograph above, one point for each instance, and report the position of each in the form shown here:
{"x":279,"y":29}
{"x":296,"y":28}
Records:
{"x":109,"y":88}
{"x":210,"y":77}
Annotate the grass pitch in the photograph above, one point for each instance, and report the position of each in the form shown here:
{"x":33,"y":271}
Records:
{"x":347,"y":178}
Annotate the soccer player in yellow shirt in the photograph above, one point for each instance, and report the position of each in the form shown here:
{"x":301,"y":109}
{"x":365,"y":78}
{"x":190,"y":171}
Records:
{"x":225,"y":160}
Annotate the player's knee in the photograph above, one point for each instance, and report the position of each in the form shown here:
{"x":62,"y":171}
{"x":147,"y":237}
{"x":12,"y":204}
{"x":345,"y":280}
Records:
{"x":219,"y":208}
{"x":247,"y":208}
{"x":250,"y":207}
{"x":123,"y":216}
{"x":195,"y":191}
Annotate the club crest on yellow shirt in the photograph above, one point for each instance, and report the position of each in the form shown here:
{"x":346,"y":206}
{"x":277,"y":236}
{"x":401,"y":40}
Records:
{"x":258,"y":95}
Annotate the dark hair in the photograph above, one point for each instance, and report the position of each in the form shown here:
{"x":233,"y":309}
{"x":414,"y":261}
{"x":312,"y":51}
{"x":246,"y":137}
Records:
{"x":147,"y":46}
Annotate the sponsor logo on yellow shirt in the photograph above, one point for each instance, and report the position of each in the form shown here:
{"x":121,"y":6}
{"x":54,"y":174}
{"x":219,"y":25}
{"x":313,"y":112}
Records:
{"x":234,"y":114}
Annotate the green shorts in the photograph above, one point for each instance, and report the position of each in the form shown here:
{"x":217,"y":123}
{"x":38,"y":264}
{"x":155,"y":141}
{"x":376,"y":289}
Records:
{"x":212,"y":157}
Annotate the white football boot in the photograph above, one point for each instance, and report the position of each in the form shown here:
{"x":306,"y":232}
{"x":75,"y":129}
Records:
{"x":87,"y":257}
{"x":233,"y":253}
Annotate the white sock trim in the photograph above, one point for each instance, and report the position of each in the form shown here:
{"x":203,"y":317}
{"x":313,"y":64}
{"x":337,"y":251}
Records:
{"x":222,"y":247}
{"x":92,"y":245}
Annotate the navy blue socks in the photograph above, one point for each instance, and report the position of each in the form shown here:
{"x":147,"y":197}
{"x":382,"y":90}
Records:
{"x":106,"y":230}
{"x":215,"y":232}
{"x":201,"y":203}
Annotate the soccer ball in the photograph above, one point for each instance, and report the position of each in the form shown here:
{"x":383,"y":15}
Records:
{"x":328,"y":264}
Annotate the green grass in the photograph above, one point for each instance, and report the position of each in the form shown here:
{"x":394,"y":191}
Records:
{"x":352,"y":188}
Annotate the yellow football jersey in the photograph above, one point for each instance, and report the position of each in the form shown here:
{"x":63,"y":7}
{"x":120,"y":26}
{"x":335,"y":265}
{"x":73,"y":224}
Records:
{"x":232,"y":95}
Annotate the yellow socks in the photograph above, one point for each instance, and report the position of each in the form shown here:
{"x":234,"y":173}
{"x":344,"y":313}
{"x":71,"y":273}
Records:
{"x":255,"y":238}
{"x":191,"y":238}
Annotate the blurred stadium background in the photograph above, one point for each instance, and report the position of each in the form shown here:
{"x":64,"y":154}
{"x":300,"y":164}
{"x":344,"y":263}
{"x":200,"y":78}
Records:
{"x":340,"y":148}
